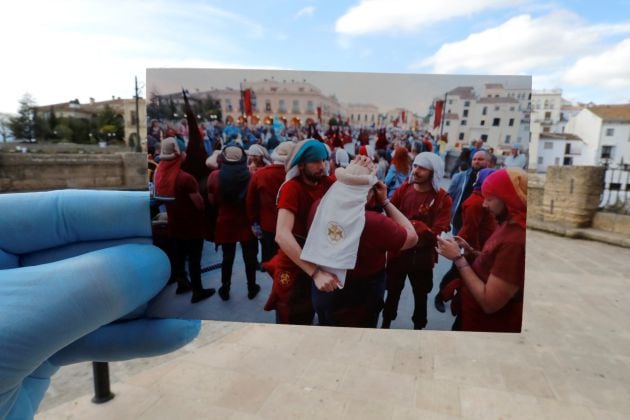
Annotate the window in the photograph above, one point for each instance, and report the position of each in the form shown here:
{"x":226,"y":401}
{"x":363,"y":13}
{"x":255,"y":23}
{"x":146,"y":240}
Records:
{"x":228,"y":105}
{"x":463,"y":122}
{"x":465,"y":113}
{"x":610,"y":132}
{"x":496,"y":122}
{"x":461,"y":136}
{"x":568,"y":161}
{"x":309,"y":106}
{"x":497,"y":108}
{"x":512,"y":108}
{"x":484,"y":111}
{"x":557,"y":160}
{"x":546,"y":130}
{"x":466,"y":104}
{"x":372,"y":118}
{"x":351,"y":117}
{"x":548,"y":145}
{"x":448,"y":123}
{"x":511,"y":123}
{"x":281,"y":107}
{"x":607,"y":152}
{"x":132,"y":115}
{"x":547,"y":115}
{"x":540,"y":160}
{"x":450,"y":102}
{"x":296,"y":107}
{"x":267,"y":105}
{"x":483,"y":122}
{"x":567,"y":149}
{"x":484,"y":138}
{"x":507,"y":139}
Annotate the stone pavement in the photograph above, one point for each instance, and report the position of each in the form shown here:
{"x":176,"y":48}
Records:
{"x":572,"y":361}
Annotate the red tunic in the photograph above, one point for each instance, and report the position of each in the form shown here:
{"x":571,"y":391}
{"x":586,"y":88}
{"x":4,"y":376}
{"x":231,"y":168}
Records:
{"x":290,"y":295}
{"x":504,"y":256}
{"x":429,"y":212}
{"x":231,"y":224}
{"x":477,"y":222}
{"x":185,"y":220}
{"x":262,"y":194}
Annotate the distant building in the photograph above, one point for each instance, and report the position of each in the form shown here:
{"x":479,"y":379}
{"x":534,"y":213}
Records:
{"x":605,"y":130}
{"x":363,"y":115}
{"x":296,"y":101}
{"x":558,"y":149}
{"x":497,"y":116}
{"x":124,"y":108}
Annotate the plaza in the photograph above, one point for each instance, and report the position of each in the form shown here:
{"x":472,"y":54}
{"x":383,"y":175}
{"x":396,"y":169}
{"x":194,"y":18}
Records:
{"x":570,"y":362}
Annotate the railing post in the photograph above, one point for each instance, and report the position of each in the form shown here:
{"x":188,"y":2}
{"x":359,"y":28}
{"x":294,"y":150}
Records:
{"x":102,"y":391}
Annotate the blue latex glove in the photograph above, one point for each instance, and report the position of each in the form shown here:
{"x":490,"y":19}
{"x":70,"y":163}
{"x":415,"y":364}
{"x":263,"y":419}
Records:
{"x":71,"y":263}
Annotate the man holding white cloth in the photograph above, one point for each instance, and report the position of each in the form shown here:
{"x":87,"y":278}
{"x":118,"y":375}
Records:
{"x":348,"y":239}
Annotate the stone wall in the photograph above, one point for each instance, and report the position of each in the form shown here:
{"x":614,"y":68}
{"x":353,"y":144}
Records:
{"x":40,"y":172}
{"x":535,"y":193}
{"x":611,"y":222}
{"x":572,"y":194}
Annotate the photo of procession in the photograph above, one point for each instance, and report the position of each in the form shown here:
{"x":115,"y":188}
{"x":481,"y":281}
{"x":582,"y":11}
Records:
{"x":340,"y":199}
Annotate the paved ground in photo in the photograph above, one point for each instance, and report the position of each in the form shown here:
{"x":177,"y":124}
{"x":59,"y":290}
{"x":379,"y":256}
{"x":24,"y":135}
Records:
{"x":570,"y":362}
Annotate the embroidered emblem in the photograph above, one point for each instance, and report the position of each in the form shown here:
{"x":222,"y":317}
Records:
{"x":285,"y":278}
{"x":334,"y":232}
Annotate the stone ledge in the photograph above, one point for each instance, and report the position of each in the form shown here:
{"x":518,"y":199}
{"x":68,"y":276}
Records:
{"x":580,"y":233}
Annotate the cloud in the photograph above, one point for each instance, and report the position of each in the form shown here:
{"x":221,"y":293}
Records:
{"x":97,"y":49}
{"x":522,"y":45}
{"x":373,"y":16}
{"x":307,"y":11}
{"x":609,"y":69}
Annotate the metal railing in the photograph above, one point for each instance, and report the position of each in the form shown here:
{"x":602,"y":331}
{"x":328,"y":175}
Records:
{"x":616,"y":191}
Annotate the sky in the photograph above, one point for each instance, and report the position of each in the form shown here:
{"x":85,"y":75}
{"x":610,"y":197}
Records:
{"x":387,"y":91}
{"x":62,"y":50}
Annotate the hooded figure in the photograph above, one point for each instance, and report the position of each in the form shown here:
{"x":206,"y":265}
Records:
{"x":333,"y":239}
{"x":166,"y":173}
{"x":305,"y":151}
{"x":260,"y":151}
{"x":510,"y":186}
{"x":233,"y":173}
{"x":433,"y":162}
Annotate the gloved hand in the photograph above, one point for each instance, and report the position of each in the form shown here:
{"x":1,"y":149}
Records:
{"x":76,"y":271}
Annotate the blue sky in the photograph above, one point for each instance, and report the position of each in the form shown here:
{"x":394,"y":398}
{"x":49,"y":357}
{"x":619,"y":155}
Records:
{"x":62,"y":50}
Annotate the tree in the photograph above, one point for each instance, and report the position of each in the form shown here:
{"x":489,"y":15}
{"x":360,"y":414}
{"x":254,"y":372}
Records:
{"x":5,"y":129}
{"x":22,"y":125}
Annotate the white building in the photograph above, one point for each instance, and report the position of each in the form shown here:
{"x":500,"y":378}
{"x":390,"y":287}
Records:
{"x":362,"y":115}
{"x":558,"y":149}
{"x":605,"y":130}
{"x":497,"y":117}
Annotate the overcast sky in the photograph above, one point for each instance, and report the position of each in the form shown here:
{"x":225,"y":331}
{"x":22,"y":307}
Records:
{"x":58,"y":51}
{"x":385,"y":90}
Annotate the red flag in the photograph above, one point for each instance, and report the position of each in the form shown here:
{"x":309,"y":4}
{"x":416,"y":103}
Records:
{"x":439,"y":107}
{"x":319,"y":114}
{"x":195,"y":161}
{"x":247,"y":96}
{"x":404,"y":115}
{"x":395,"y":122}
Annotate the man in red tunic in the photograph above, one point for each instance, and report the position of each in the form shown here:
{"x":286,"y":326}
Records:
{"x":359,"y":302}
{"x":185,"y":222}
{"x":306,"y":181}
{"x":428,"y":207}
{"x":227,"y":189}
{"x":261,"y":199}
{"x":493,"y":278}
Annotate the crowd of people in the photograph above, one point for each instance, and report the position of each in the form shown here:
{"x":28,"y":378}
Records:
{"x":342,"y":218}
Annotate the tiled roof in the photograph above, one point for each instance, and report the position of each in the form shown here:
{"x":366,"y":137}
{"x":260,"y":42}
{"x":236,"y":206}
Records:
{"x":501,"y":100}
{"x":559,"y":136}
{"x":612,"y":113}
{"x":464,"y":92}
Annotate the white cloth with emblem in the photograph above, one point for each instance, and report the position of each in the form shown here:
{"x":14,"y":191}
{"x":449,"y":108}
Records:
{"x":333,"y":238}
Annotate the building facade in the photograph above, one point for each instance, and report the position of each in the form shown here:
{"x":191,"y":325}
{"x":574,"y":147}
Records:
{"x":605,"y":130}
{"x":558,"y":149}
{"x":497,"y":116}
